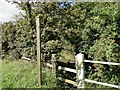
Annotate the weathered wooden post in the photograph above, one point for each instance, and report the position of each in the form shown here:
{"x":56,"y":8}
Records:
{"x":53,"y":60}
{"x":39,"y":50}
{"x":80,"y":70}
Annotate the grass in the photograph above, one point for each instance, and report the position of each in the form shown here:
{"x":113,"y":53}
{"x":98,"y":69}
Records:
{"x":18,"y":74}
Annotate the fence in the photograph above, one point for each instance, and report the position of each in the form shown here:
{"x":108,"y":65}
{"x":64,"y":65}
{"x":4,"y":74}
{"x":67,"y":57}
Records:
{"x":80,"y":79}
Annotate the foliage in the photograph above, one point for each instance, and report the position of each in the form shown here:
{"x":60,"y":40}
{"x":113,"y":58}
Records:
{"x":75,"y":26}
{"x":8,"y":33}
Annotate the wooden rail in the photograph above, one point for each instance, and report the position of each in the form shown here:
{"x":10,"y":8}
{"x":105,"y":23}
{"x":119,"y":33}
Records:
{"x":61,"y":68}
{"x":100,"y":62}
{"x":70,"y":82}
{"x":101,"y":83}
{"x":67,"y":69}
{"x":48,"y":64}
{"x":25,"y":58}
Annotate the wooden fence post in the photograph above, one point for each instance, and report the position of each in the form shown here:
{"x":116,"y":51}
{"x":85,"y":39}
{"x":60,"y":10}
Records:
{"x":39,"y":50}
{"x":80,"y":70}
{"x":53,"y":65}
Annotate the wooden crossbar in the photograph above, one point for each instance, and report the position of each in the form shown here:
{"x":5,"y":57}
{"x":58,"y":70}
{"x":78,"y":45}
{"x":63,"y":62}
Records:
{"x":66,"y":69}
{"x":101,"y":83}
{"x":100,"y":62}
{"x":71,"y":82}
{"x":48,"y":65}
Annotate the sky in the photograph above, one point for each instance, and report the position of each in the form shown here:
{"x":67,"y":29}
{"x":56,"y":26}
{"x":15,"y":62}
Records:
{"x":7,"y":11}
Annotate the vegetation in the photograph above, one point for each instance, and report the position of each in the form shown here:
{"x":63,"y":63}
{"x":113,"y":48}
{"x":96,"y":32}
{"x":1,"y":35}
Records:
{"x":67,"y":29}
{"x":21,"y":74}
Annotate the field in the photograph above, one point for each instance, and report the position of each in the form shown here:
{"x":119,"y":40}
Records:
{"x":20,"y":74}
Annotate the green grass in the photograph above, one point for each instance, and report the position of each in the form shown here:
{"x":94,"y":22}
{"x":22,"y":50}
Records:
{"x":18,"y":74}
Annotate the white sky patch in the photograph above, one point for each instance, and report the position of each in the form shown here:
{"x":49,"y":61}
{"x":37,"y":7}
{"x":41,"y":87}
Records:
{"x":7,"y":11}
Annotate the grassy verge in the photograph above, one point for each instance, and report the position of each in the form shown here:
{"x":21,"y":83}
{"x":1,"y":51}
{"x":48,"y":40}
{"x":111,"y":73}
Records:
{"x":18,"y":74}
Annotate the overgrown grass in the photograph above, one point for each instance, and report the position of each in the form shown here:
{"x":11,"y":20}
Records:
{"x":18,"y":74}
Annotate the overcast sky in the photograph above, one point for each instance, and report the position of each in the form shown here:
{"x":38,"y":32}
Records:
{"x":7,"y":11}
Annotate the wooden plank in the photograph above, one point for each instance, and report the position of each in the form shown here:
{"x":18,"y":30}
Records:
{"x":71,"y":82}
{"x":61,"y":68}
{"x":100,"y":62}
{"x":48,"y":64}
{"x":25,"y":58}
{"x":67,"y":69}
{"x":39,"y":50}
{"x":101,"y":83}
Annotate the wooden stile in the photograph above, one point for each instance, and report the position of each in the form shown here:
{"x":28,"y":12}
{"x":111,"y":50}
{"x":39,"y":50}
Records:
{"x":80,"y":71}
